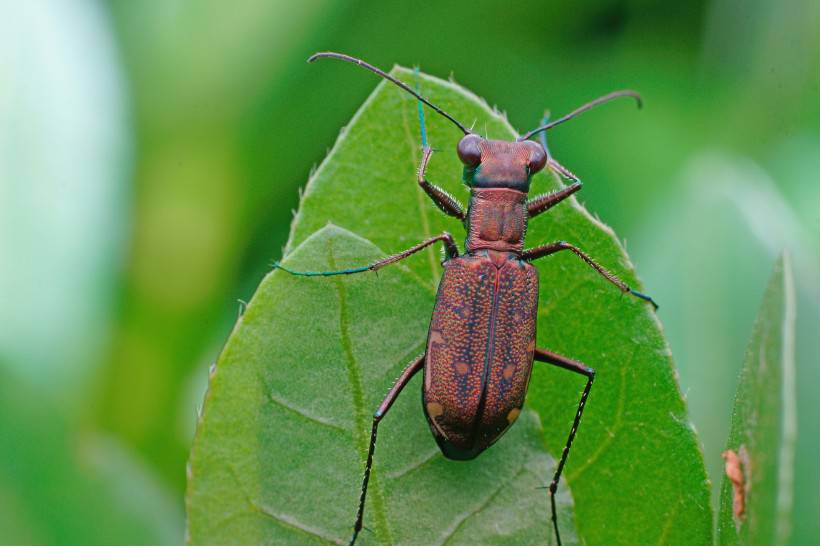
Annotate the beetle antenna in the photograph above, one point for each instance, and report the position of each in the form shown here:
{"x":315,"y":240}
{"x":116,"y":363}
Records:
{"x":422,"y":124}
{"x":581,"y":109}
{"x":386,"y":76}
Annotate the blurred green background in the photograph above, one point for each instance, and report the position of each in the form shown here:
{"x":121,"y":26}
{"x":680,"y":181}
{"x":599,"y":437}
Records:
{"x":151,"y":155}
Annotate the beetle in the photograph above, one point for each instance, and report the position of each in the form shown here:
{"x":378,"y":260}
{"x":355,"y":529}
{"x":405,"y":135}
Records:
{"x":481,"y":340}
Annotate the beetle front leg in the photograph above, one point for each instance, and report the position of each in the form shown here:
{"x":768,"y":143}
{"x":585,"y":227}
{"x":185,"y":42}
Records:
{"x":546,"y":250}
{"x":443,"y":200}
{"x":394,"y":392}
{"x":548,"y":357}
{"x":552,"y":163}
{"x":543,"y":203}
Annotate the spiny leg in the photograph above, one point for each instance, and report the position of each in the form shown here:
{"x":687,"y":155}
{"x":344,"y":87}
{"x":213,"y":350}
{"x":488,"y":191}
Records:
{"x":392,"y":394}
{"x":444,"y":201}
{"x":546,"y":250}
{"x":543,"y":203}
{"x":450,"y":249}
{"x":548,"y":357}
{"x":551,"y":161}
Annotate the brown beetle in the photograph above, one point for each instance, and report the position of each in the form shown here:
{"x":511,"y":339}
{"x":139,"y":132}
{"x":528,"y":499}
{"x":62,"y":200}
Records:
{"x":481,"y":341}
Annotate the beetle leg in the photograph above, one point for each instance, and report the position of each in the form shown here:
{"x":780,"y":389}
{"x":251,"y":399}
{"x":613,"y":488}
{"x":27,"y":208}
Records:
{"x":543,"y":203}
{"x":552,"y":163}
{"x":563,"y":362}
{"x":450,"y":249}
{"x":443,"y":200}
{"x":546,"y":250}
{"x":384,"y":407}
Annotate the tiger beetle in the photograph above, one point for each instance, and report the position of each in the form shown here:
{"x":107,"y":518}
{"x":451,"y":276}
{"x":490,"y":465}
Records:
{"x":481,"y":341}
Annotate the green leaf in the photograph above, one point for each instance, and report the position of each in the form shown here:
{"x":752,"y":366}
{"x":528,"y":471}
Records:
{"x":279,"y":450}
{"x":755,"y":506}
{"x":278,"y":454}
{"x":60,"y":485}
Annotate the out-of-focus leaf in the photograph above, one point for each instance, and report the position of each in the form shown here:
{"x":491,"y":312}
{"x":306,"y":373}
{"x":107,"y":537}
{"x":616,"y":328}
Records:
{"x":59,"y":486}
{"x":636,"y":472}
{"x":63,"y":171}
{"x":198,"y":70}
{"x":756,"y":509}
{"x":795,"y":165}
{"x":708,"y":249}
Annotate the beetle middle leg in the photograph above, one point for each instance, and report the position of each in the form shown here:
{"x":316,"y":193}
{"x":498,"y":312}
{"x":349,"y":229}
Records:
{"x":384,"y":407}
{"x":450,"y":249}
{"x":549,"y":357}
{"x":552,"y":248}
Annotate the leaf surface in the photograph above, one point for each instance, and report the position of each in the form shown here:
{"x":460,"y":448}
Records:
{"x":279,"y":452}
{"x":281,"y":444}
{"x":756,"y":508}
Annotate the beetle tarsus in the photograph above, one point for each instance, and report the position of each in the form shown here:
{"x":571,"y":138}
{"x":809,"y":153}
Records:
{"x":644,"y":297}
{"x":555,"y":520}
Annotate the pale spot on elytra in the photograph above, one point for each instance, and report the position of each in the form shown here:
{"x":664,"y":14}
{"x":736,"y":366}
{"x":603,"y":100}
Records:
{"x":508,"y":373}
{"x":435,"y":337}
{"x":462,"y":368}
{"x":434,"y":409}
{"x":513,"y":415}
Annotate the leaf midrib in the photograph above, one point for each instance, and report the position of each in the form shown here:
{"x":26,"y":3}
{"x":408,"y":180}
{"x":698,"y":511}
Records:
{"x":354,"y":375}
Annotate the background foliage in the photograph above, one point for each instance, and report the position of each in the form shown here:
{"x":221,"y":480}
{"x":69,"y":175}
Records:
{"x":756,"y":509}
{"x":151,"y":152}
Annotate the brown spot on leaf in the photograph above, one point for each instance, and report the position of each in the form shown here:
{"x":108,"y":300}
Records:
{"x":734,"y":471}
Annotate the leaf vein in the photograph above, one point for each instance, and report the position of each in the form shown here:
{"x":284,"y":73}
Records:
{"x":612,"y":432}
{"x":354,"y":374}
{"x":289,"y":522}
{"x":287,"y":406}
{"x":415,"y":466}
{"x":478,"y":509}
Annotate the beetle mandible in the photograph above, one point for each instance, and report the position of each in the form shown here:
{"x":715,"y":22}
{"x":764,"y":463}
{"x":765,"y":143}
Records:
{"x":481,"y":341}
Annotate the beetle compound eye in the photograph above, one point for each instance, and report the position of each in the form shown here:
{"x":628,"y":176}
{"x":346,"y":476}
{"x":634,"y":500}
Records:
{"x":538,"y":157}
{"x":469,"y":152}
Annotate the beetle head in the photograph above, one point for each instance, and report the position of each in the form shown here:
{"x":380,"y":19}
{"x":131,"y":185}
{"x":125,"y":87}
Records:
{"x":499,"y":163}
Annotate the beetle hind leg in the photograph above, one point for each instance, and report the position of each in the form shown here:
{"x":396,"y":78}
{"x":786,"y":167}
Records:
{"x":405,"y":377}
{"x":568,"y":364}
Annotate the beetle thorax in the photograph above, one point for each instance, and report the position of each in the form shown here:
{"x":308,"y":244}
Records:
{"x":497,"y":220}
